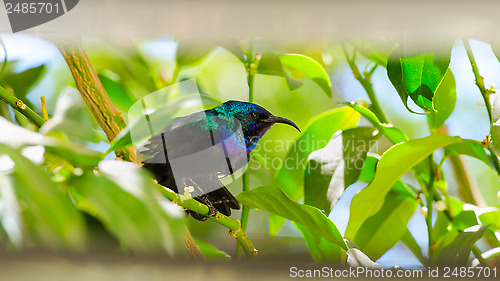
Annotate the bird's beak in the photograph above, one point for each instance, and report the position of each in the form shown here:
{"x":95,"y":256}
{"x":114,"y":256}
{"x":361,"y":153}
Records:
{"x":277,"y":119}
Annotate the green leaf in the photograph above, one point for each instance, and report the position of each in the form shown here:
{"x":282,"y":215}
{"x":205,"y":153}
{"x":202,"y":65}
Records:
{"x":392,"y":133}
{"x":315,"y":136}
{"x":129,"y":206}
{"x":491,"y":218}
{"x":468,"y":147}
{"x":417,"y":76}
{"x":117,"y":92}
{"x":382,"y":231}
{"x":464,"y":220}
{"x":72,"y":117}
{"x":211,"y":252}
{"x":270,"y":64}
{"x":444,"y":101}
{"x":494,"y":143}
{"x":273,"y":200}
{"x":310,"y":69}
{"x":457,"y":252}
{"x":368,"y":173}
{"x":44,"y":214}
{"x":335,"y":167}
{"x":321,"y":250}
{"x":393,"y":164}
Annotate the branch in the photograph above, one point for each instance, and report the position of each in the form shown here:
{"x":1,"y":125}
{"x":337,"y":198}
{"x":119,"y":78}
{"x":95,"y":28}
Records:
{"x":479,"y":80}
{"x":92,"y":91}
{"x":367,"y":85}
{"x":485,"y":93}
{"x":20,"y":106}
{"x":235,"y":229}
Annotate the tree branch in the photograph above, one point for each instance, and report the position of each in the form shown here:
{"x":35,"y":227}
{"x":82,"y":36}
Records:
{"x":234,"y":225}
{"x":21,"y":107}
{"x":365,"y":81}
{"x":92,"y":91}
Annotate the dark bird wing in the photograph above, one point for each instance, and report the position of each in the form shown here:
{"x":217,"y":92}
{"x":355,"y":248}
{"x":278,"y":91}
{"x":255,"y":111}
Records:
{"x":195,"y":142}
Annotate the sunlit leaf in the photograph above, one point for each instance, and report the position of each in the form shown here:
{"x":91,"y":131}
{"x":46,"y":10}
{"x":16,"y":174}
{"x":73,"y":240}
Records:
{"x":444,"y":101}
{"x":382,"y":231}
{"x":310,"y":69}
{"x":393,"y":164}
{"x":467,"y":147}
{"x":417,"y":76}
{"x":273,"y":200}
{"x":392,"y":133}
{"x":315,"y":136}
{"x":270,"y":64}
{"x":335,"y":167}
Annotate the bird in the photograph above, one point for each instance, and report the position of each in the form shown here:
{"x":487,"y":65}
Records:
{"x":192,"y":153}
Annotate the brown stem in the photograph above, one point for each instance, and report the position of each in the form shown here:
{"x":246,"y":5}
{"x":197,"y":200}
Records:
{"x":92,"y":91}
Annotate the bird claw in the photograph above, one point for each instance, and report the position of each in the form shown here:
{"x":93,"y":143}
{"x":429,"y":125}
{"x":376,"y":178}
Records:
{"x":211,"y":210}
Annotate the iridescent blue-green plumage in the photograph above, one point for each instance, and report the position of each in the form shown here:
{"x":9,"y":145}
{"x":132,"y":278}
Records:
{"x":230,"y":130}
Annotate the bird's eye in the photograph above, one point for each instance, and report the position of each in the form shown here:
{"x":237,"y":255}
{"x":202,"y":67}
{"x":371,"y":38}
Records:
{"x":253,"y":114}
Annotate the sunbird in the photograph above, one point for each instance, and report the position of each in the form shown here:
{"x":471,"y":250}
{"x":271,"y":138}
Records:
{"x":194,"y":152}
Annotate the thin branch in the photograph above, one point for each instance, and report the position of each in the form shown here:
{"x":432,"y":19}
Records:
{"x":21,"y":107}
{"x":234,"y":225}
{"x":365,"y":81}
{"x":44,"y":109}
{"x":485,"y":93}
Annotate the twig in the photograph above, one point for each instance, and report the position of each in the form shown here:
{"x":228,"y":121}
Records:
{"x":485,"y":93}
{"x":21,"y":107}
{"x":365,"y":81}
{"x":44,"y":109}
{"x":234,"y":225}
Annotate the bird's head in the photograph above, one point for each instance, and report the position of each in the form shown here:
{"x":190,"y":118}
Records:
{"x":255,"y":120}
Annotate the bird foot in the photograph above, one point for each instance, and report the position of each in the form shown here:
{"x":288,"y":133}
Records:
{"x":211,"y":210}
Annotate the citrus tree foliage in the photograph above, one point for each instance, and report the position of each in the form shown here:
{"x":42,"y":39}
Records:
{"x":57,"y":189}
